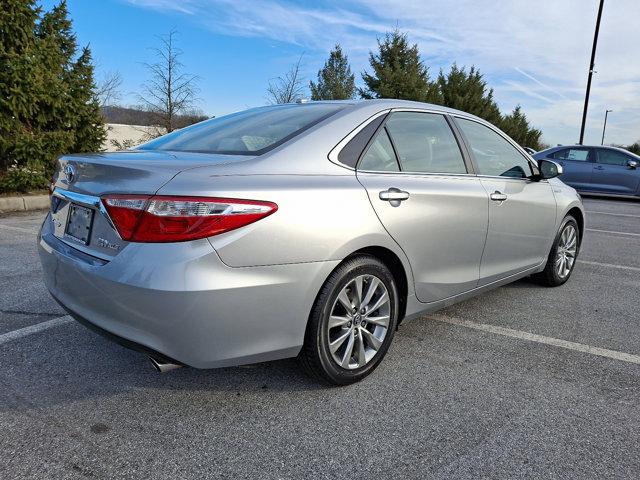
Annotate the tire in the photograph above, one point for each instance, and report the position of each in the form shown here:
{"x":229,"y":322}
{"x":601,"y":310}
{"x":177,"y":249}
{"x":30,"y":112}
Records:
{"x":331,"y":330}
{"x":553,"y":275}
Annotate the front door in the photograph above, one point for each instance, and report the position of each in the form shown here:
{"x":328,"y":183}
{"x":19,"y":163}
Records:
{"x":522,"y":212}
{"x":577,"y":163}
{"x":418,"y":184}
{"x":612,"y":174}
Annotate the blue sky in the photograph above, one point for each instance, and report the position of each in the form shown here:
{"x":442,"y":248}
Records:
{"x":532,"y":53}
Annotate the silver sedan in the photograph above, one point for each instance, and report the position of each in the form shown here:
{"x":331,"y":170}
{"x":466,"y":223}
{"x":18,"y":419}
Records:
{"x":309,"y":230}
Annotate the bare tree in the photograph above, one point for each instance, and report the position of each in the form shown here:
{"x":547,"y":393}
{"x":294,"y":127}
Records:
{"x":169,"y":91}
{"x":287,"y":88}
{"x":108,"y":89}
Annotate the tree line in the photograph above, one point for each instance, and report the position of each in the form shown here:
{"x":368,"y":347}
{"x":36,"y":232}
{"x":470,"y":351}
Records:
{"x":397,"y":71}
{"x":51,"y":103}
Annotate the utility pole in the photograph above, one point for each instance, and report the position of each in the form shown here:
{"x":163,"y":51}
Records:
{"x":591,"y":65}
{"x":606,"y":112}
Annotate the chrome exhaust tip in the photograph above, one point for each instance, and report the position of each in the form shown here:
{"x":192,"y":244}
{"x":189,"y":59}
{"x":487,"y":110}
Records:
{"x":162,"y":366}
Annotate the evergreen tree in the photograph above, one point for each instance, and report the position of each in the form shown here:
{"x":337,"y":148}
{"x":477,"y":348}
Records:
{"x":88,"y":121}
{"x":335,"y":80}
{"x":398,"y":72}
{"x":634,"y":147}
{"x":467,"y":91}
{"x":46,"y":98}
{"x":517,"y":127}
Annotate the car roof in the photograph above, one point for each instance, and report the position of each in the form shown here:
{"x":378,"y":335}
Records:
{"x":384,"y":103}
{"x":608,"y":147}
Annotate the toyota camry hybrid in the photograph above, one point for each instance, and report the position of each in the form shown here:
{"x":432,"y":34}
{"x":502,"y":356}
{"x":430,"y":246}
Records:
{"x":307,"y":230}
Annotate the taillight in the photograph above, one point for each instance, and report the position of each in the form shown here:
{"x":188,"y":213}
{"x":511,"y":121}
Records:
{"x":142,"y":218}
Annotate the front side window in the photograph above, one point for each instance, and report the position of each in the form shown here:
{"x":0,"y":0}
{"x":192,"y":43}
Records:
{"x":251,"y":132}
{"x":612,"y":157}
{"x":575,"y":154}
{"x":494,"y":154}
{"x":425,"y":143}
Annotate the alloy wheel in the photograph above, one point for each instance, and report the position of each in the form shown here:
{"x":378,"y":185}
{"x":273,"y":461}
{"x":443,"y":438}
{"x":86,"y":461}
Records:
{"x":359,"y":321}
{"x":566,"y":251}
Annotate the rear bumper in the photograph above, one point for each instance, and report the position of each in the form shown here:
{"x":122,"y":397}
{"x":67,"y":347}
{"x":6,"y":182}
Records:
{"x":181,"y":301}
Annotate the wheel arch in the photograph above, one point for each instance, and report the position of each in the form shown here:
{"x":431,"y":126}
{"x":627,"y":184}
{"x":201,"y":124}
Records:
{"x":576,"y":213}
{"x":397,"y":269}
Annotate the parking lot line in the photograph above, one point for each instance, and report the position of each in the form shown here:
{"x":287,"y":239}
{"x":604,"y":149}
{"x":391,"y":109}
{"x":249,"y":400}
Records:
{"x":18,"y":229}
{"x":532,"y":337}
{"x":612,"y":232}
{"x":614,"y":214}
{"x":38,"y":327}
{"x":610,"y":265}
{"x":604,"y":201}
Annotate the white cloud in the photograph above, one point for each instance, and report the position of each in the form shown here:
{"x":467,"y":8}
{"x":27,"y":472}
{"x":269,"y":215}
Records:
{"x":533,"y":53}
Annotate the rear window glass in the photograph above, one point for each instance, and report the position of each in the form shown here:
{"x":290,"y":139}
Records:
{"x":251,"y":132}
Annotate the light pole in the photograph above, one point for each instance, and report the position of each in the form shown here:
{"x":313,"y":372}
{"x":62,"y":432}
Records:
{"x":606,"y":112}
{"x":591,"y":65}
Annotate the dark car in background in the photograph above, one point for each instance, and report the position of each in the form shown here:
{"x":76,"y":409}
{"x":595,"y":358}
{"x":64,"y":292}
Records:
{"x":599,"y":169}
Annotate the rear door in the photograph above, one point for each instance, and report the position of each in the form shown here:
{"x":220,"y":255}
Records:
{"x":436,"y":210}
{"x":612,"y":174}
{"x":577,"y":165}
{"x":522,"y":212}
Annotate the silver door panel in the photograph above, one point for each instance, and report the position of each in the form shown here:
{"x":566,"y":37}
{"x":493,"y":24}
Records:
{"x":441,"y":227}
{"x":519,"y":227}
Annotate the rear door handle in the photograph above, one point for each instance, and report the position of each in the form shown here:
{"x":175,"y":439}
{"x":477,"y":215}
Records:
{"x":394,"y":196}
{"x":498,"y":196}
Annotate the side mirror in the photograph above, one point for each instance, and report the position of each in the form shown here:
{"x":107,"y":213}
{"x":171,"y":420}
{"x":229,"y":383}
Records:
{"x":549,"y":169}
{"x":632,"y":164}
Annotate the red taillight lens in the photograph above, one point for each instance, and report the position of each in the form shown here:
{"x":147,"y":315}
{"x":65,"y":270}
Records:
{"x":140,"y":218}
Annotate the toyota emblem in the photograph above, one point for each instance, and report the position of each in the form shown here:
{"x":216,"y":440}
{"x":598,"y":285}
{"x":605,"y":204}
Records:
{"x":70,"y":173}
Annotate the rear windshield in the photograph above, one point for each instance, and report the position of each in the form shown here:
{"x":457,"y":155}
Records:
{"x":251,"y":132}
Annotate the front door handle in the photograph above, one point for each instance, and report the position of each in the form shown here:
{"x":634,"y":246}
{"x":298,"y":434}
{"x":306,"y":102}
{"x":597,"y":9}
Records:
{"x":394,"y":196}
{"x":598,"y":167}
{"x":498,"y":196}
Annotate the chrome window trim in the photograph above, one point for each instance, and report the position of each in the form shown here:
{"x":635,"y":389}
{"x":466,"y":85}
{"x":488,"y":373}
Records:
{"x":423,"y":174}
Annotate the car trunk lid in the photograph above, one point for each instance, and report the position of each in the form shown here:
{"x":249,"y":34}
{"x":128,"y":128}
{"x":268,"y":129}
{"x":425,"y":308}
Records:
{"x":78,"y":217}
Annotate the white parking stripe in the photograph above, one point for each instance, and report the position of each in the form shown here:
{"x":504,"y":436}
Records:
{"x":614,"y":214}
{"x":613,"y":232}
{"x":610,"y":265}
{"x":617,"y":203}
{"x":38,"y":327}
{"x":532,"y":337}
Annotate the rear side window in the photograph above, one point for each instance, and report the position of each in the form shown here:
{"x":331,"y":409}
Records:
{"x":380,"y":156}
{"x":494,"y":154}
{"x":251,"y":132}
{"x":612,"y":157}
{"x":425,"y":143}
{"x":575,"y":154}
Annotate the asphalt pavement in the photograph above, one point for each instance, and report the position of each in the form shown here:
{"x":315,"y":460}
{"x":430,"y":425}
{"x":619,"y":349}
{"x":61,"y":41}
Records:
{"x":522,"y":382}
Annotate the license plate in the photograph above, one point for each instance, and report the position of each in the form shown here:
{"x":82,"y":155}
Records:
{"x":79,"y":223}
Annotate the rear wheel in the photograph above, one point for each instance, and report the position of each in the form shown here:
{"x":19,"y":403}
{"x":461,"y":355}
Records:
{"x":563,"y":255}
{"x":352,"y":322}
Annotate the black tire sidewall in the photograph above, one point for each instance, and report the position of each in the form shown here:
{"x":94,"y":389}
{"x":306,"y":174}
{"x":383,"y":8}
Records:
{"x":551,"y":262}
{"x":360,"y":265}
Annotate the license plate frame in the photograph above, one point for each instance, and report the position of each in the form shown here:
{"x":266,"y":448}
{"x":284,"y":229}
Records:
{"x":79,"y":223}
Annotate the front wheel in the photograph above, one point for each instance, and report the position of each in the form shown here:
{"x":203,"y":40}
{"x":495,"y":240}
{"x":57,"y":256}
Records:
{"x":352,"y":322}
{"x":563,"y":255}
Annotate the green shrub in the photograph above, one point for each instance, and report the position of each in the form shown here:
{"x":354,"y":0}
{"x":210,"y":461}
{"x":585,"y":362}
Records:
{"x":23,"y":180}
